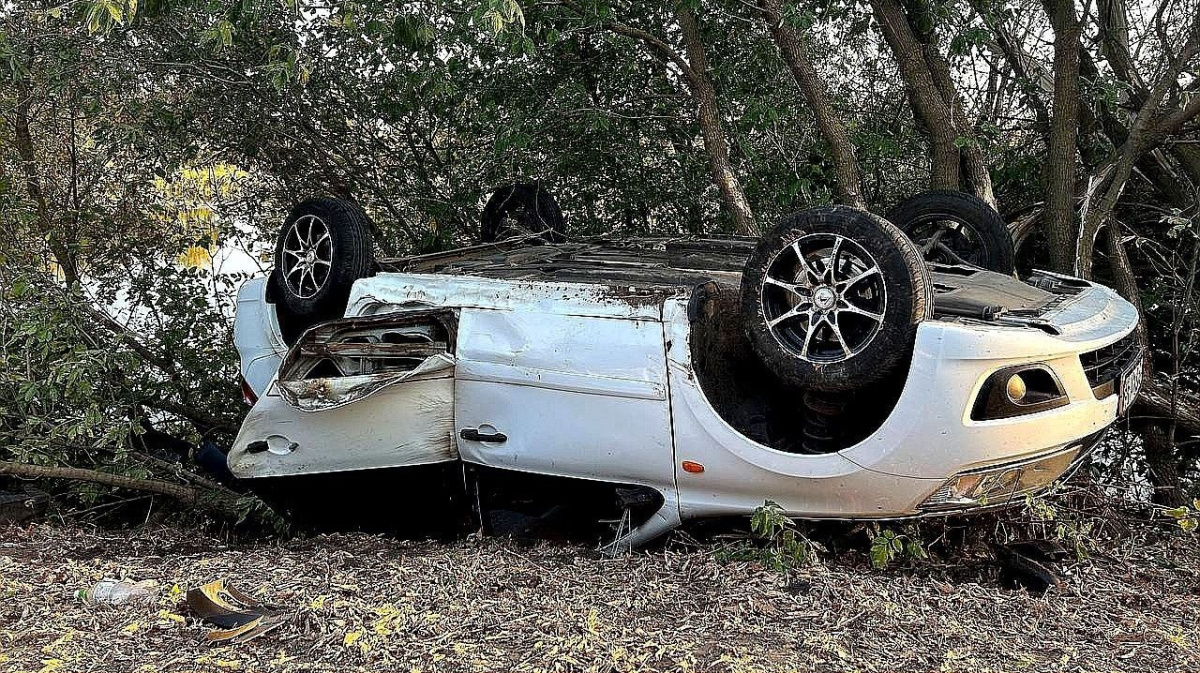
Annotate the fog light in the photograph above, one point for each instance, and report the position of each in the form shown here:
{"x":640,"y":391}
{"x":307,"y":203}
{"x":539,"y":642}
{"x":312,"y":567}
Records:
{"x":1016,"y":388}
{"x":1001,"y":484}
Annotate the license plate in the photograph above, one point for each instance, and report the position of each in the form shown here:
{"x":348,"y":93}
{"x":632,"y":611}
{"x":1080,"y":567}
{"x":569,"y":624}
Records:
{"x":1131,"y":383}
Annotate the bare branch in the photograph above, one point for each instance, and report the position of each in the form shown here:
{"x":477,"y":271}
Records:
{"x":204,"y":498}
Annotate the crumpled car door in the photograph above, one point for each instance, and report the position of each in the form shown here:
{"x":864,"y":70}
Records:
{"x":356,"y":393}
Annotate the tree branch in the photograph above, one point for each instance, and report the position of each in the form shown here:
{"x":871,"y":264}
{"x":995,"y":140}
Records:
{"x":664,"y":50}
{"x":203,"y":498}
{"x":1145,"y":133}
{"x":1021,"y":63}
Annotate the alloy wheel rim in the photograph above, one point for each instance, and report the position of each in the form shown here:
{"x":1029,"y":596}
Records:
{"x":824,"y":298}
{"x":945,"y":239}
{"x":307,"y":256}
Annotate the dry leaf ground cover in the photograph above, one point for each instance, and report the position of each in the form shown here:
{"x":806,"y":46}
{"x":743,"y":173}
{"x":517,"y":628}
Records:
{"x":372,"y":603}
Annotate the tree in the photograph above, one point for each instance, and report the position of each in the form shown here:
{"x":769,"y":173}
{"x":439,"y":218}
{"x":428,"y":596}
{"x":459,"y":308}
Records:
{"x":694,"y":67}
{"x":954,"y":151}
{"x":123,"y":185}
{"x":1060,"y":222}
{"x":795,"y":52}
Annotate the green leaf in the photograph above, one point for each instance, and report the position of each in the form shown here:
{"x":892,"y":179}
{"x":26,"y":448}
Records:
{"x":1177,"y":513}
{"x":880,"y":553}
{"x":114,"y":11}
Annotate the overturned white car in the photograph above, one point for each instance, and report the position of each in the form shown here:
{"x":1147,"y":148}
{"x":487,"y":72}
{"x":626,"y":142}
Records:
{"x":833,"y":366}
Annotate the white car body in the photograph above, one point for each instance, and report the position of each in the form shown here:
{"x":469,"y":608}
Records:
{"x":596,"y":382}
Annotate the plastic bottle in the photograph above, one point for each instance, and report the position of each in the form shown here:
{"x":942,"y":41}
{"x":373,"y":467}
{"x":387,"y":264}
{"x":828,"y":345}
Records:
{"x":116,"y":592}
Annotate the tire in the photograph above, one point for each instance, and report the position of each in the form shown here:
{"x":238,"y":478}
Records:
{"x":973,"y":233}
{"x":314,"y":288}
{"x":880,"y":292}
{"x":525,"y":210}
{"x":19,"y":506}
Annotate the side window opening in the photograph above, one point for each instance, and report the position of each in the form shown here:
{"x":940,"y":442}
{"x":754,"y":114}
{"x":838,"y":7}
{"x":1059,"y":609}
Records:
{"x":341,"y":361}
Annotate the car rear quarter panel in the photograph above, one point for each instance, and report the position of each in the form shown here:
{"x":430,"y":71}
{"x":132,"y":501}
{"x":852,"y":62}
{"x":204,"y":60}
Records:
{"x":256,"y":335}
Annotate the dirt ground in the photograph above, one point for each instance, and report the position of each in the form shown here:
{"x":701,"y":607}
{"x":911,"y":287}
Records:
{"x":360,"y":602}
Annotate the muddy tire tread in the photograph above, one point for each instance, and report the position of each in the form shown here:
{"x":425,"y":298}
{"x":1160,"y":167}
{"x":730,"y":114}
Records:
{"x":907,"y":283}
{"x":999,"y":252}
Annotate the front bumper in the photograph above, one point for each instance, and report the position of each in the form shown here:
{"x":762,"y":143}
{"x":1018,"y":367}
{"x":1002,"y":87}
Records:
{"x":1000,"y":485}
{"x":928,"y":438}
{"x":931,"y":435}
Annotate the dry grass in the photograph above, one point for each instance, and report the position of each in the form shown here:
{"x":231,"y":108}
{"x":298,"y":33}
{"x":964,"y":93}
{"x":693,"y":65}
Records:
{"x":370,"y":603}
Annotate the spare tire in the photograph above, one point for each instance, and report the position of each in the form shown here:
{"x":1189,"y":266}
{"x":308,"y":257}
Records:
{"x":831,"y":298}
{"x":951,"y":227}
{"x":522,"y":211}
{"x":324,"y":245}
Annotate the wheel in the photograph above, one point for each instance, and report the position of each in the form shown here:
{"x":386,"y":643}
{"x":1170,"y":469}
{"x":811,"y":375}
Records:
{"x":956,"y":228}
{"x":831,"y":298}
{"x":324,"y":246}
{"x":526,"y":211}
{"x":18,"y":506}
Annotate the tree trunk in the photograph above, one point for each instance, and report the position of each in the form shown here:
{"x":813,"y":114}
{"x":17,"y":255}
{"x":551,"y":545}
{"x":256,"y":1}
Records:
{"x":974,"y":166}
{"x":1062,"y":230}
{"x":1161,"y":464}
{"x":33,"y":186}
{"x":932,"y":113}
{"x":1113,"y":20}
{"x":1163,"y":401}
{"x":1158,"y":434}
{"x":709,"y":116}
{"x":695,"y":69}
{"x":795,"y":53}
{"x":1125,"y":283}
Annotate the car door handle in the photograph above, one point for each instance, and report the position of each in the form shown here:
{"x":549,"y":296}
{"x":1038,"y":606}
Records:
{"x":473,"y":435}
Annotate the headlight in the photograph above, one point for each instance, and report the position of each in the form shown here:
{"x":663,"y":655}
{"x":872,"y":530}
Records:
{"x":997,"y":485}
{"x":1016,"y":391}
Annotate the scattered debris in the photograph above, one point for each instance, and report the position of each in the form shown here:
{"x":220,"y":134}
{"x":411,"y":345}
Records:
{"x":237,"y":616}
{"x":371,"y":603}
{"x":1028,"y":564}
{"x":119,"y":592}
